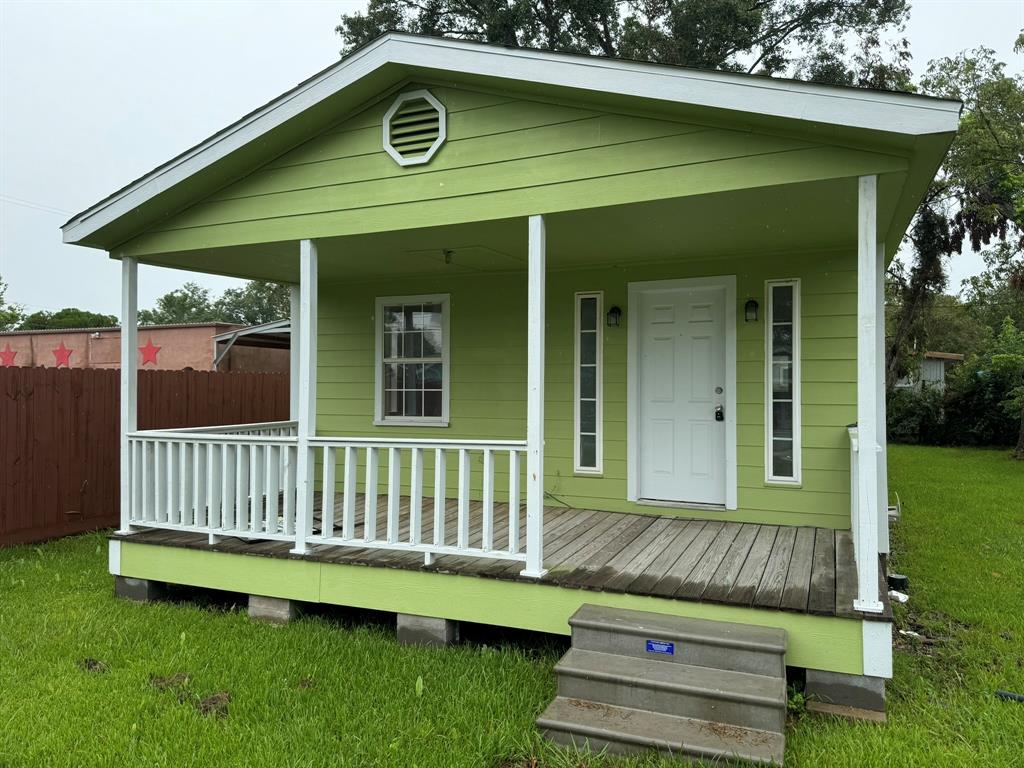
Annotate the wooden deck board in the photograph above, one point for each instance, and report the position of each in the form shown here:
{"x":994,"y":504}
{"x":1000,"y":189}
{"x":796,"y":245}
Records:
{"x":807,"y":570}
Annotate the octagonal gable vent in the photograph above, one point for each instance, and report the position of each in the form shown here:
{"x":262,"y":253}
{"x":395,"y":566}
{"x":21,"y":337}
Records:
{"x":414,"y":128}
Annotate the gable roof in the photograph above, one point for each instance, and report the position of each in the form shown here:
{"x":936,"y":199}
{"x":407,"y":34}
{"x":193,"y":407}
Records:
{"x":392,"y":57}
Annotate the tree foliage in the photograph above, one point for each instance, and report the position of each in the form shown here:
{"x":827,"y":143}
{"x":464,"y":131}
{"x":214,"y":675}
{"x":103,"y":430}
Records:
{"x":69,"y":317}
{"x":255,"y":303}
{"x":10,"y":314}
{"x":834,"y":40}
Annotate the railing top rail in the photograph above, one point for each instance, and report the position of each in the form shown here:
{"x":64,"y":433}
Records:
{"x":229,"y":427}
{"x":416,"y":442}
{"x":211,"y":437}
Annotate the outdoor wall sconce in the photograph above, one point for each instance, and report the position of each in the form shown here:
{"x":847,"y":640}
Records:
{"x":750,"y":311}
{"x":614,"y":317}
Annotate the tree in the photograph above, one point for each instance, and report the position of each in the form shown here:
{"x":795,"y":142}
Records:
{"x":189,"y":304}
{"x":998,"y":292}
{"x":977,"y":196}
{"x":10,"y":314}
{"x":256,"y":303}
{"x":768,"y":37}
{"x":69,"y":317}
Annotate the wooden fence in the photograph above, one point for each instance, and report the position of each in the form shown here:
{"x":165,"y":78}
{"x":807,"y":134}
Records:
{"x":59,"y":429}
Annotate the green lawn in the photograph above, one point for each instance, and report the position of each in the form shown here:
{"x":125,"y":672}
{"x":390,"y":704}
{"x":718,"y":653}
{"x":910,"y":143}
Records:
{"x":86,"y":680}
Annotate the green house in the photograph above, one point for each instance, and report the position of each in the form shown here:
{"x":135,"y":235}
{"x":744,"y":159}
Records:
{"x":565,"y":330}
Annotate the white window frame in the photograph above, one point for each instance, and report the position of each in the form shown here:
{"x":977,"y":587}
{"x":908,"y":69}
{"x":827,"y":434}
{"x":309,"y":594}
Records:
{"x":598,"y":468}
{"x":769,"y":477}
{"x":379,"y":419}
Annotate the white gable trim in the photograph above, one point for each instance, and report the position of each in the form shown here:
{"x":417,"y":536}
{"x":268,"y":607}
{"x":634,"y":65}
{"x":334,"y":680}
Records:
{"x":873,"y":110}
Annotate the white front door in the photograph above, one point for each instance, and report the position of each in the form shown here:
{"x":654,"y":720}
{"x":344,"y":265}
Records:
{"x":681,"y":393}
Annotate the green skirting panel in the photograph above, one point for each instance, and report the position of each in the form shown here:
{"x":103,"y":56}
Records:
{"x":816,"y":642}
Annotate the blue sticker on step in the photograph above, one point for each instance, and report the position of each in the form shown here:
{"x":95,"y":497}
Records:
{"x":658,"y":646}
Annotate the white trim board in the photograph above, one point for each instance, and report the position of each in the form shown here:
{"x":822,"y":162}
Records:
{"x":728,"y":283}
{"x":892,"y":113}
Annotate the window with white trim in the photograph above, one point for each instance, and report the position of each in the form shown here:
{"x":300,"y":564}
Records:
{"x":412,"y":361}
{"x":587,"y":397}
{"x":782,"y":417}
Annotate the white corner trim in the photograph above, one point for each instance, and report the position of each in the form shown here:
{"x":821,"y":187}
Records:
{"x":114,"y":557}
{"x":872,"y":110}
{"x":728,"y":284}
{"x":442,"y":129}
{"x":877,"y":640}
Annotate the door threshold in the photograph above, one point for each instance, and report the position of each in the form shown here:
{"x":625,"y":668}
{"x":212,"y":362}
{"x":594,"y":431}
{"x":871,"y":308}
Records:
{"x":695,"y":505}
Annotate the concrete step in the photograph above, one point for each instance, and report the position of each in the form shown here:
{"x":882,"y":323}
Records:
{"x":580,"y":723}
{"x":683,"y":690}
{"x":695,"y":642}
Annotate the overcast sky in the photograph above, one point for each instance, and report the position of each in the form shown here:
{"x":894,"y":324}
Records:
{"x":95,"y":94}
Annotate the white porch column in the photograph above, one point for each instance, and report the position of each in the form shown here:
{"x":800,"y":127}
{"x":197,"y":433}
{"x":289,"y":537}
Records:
{"x":294,"y":333}
{"x":883,"y":466}
{"x":535,"y":401}
{"x":306,"y":400}
{"x":866,"y":535}
{"x":129,"y":379}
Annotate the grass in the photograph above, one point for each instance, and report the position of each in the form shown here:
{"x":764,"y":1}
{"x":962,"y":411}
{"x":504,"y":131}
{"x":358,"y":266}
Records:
{"x":86,"y":680}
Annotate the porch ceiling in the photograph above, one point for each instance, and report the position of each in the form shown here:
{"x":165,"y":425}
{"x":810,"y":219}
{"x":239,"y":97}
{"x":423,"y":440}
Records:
{"x":796,"y":217}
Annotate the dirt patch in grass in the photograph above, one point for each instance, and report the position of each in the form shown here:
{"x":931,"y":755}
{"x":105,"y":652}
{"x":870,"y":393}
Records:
{"x":215,"y":705}
{"x":171,"y":682}
{"x":92,"y":665}
{"x":306,"y":683}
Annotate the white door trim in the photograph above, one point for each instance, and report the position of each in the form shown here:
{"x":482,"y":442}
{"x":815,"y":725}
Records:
{"x":728,"y":282}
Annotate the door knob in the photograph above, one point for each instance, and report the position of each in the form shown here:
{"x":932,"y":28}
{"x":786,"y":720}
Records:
{"x":719,"y":413}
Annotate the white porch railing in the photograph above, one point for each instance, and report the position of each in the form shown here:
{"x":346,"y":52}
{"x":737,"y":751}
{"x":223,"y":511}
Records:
{"x":240,"y":481}
{"x":863,"y":529}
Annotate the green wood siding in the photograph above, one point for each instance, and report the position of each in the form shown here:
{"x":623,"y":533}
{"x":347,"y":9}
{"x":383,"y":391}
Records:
{"x":488,"y":375}
{"x":504,"y":157}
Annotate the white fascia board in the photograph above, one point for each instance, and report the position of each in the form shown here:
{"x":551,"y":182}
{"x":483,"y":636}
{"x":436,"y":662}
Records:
{"x":788,"y":99}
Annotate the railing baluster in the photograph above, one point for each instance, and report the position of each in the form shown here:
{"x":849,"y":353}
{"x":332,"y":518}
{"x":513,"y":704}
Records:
{"x":256,"y":487}
{"x":370,"y":496}
{"x":416,"y":497}
{"x":199,"y":478}
{"x":215,"y":464}
{"x":185,"y":514}
{"x":227,"y":493}
{"x":394,"y":492}
{"x":327,"y":498}
{"x":513,"y":501}
{"x":173,"y":483}
{"x":138,"y":479}
{"x":242,"y":522}
{"x":159,"y":481}
{"x":273,"y":470}
{"x":348,"y":490}
{"x":463,"y":500}
{"x":487,"y":542}
{"x":440,"y":492}
{"x":290,"y":456}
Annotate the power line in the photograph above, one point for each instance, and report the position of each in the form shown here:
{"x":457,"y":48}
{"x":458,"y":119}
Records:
{"x":36,"y":206}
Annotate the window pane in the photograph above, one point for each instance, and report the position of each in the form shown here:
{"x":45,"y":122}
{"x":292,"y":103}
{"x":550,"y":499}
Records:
{"x":409,"y":313}
{"x":782,"y":342}
{"x":432,"y":376}
{"x":782,"y":380}
{"x":392,"y":318}
{"x":588,"y":348}
{"x":588,"y":314}
{"x":392,"y":402}
{"x":782,"y":458}
{"x":588,"y":451}
{"x":393,"y":377}
{"x":782,"y":304}
{"x":413,"y":376}
{"x":588,"y":416}
{"x":392,"y":345}
{"x":431,"y":343}
{"x":431,"y":316}
{"x":432,"y":403}
{"x":588,"y":381}
{"x":412,"y":344}
{"x":782,"y":419}
{"x":413,"y":403}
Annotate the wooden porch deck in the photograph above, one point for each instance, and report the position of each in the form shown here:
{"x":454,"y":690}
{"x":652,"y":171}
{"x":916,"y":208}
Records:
{"x":772,"y":567}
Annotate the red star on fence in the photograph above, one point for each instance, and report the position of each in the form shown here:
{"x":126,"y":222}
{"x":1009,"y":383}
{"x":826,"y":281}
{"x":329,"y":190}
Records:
{"x":149,"y":352}
{"x":7,"y":356}
{"x":62,"y":356}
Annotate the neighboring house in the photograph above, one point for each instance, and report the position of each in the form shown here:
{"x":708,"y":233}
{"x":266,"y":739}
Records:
{"x":570,"y":330}
{"x":199,"y":346}
{"x":934,"y":367}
